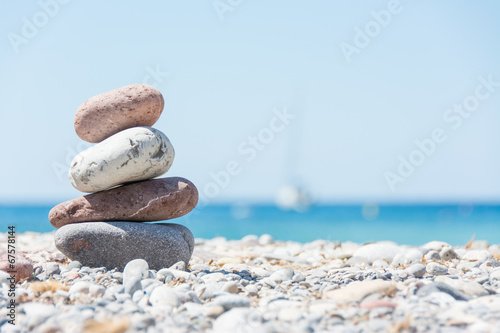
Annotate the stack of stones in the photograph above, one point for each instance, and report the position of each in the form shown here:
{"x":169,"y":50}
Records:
{"x":101,"y":229}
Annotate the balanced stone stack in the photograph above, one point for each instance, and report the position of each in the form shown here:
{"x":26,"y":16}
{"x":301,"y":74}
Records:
{"x":102,"y":229}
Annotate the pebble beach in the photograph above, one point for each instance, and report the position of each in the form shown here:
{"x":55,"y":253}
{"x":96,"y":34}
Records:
{"x":258,"y":284}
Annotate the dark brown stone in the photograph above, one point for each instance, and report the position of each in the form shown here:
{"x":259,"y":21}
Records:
{"x":146,"y":201}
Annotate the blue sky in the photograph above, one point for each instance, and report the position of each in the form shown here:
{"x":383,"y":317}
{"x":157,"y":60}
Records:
{"x":226,"y":68}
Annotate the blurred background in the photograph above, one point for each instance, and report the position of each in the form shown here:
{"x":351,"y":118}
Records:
{"x":359,"y":121}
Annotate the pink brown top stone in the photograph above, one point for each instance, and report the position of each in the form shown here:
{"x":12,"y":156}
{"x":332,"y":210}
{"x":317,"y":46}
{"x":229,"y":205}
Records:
{"x":146,"y":201}
{"x":109,"y":113}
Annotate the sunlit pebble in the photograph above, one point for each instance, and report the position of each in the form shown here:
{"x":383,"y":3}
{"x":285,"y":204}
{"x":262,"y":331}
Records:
{"x":247,"y":275}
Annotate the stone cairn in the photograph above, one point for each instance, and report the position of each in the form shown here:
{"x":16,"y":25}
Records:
{"x":101,"y":229}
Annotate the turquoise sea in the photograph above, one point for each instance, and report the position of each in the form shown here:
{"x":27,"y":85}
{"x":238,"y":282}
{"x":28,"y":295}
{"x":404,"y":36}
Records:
{"x":404,"y":224}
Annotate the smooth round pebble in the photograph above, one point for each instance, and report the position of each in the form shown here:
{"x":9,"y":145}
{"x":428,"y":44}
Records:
{"x":103,"y":115}
{"x":74,"y":264}
{"x":231,"y":301}
{"x":432,"y":256}
{"x":436,"y":269}
{"x":214,"y":311}
{"x":96,"y":290}
{"x":164,"y":296}
{"x":136,"y":267}
{"x":132,"y":284}
{"x":266,"y":239}
{"x":230,"y":287}
{"x":417,"y":270}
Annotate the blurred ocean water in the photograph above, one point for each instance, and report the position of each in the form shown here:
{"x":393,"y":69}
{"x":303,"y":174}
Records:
{"x":404,"y":224}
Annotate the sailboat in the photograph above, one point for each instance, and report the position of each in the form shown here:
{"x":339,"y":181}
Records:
{"x":293,"y":196}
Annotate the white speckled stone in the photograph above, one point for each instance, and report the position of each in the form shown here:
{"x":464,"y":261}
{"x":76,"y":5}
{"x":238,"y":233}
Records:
{"x":134,"y":154}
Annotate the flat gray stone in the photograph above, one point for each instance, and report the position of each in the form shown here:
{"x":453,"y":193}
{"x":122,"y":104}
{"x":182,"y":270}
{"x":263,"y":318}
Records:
{"x":114,"y":244}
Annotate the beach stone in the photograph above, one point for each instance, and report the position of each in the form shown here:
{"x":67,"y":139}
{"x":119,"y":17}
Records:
{"x":74,"y":264}
{"x":4,"y":278}
{"x":434,"y":287}
{"x":181,"y":274}
{"x":179,"y":266}
{"x":298,"y":277}
{"x":432,"y":256}
{"x":134,"y":154}
{"x":114,"y":244}
{"x":436,"y":269}
{"x":164,"y":296}
{"x":495,"y":275}
{"x":281,"y":275}
{"x":142,"y":321}
{"x":357,"y":291}
{"x":477,"y":255}
{"x":231,"y":301}
{"x":136,"y":267}
{"x":80,"y":287}
{"x":266,"y":239}
{"x":145,"y":201}
{"x":149,"y":283}
{"x":37,"y":313}
{"x":434,"y":246}
{"x":241,"y":320}
{"x":115,"y":290}
{"x":378,"y":251}
{"x":469,"y":288}
{"x":229,"y":260}
{"x":96,"y":290}
{"x":165,"y":275}
{"x":413,"y":256}
{"x":23,"y":269}
{"x":214,"y":311}
{"x":103,"y":115}
{"x":448,"y":254}
{"x":52,"y":268}
{"x":230,"y":287}
{"x":377,"y":303}
{"x":290,"y":314}
{"x":467,"y":266}
{"x":380,"y":263}
{"x":480,"y":245}
{"x":132,"y":284}
{"x":418,"y":270}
